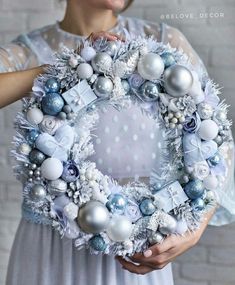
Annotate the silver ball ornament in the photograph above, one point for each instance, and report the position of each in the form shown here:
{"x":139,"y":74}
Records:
{"x":93,"y":217}
{"x":119,"y":228}
{"x":149,"y":91}
{"x":177,"y":80}
{"x":57,"y":187}
{"x":103,"y":87}
{"x":150,"y":66}
{"x":205,"y":110}
{"x":220,"y":116}
{"x":102,"y":62}
{"x":37,"y":193}
{"x":36,"y":156}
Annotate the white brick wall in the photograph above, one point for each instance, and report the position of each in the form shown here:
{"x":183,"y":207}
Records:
{"x":212,"y":261}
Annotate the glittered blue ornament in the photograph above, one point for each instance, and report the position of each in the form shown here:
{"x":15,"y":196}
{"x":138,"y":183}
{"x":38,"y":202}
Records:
{"x":32,"y":136}
{"x":70,"y":172}
{"x":116,"y":202}
{"x":97,"y":243}
{"x":147,"y":207}
{"x":194,"y":189}
{"x":198,"y":204}
{"x":214,"y":160}
{"x":52,"y":104}
{"x":52,"y":85}
{"x":168,"y":59}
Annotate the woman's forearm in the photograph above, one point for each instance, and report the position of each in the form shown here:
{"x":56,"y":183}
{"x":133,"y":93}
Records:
{"x":16,"y":85}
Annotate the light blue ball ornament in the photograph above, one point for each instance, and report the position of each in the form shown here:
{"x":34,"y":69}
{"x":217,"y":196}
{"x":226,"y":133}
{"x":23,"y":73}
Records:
{"x":194,"y":189}
{"x":32,"y":136}
{"x":147,"y":207}
{"x":97,"y":243}
{"x":214,"y":160}
{"x":117,"y":202}
{"x":52,"y":104}
{"x":168,"y":59}
{"x":52,"y":85}
{"x":198,"y":204}
{"x":149,"y":91}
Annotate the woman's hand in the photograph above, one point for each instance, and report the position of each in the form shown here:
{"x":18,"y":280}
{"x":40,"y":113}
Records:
{"x":107,"y":35}
{"x":159,"y":255}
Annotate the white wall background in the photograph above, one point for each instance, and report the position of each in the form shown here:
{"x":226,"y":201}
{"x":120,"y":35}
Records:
{"x":212,"y":261}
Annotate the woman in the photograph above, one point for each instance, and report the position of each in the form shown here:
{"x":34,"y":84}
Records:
{"x":38,"y":254}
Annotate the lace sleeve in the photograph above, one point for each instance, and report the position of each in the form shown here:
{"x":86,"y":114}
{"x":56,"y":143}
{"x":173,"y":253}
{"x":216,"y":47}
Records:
{"x":226,"y":191}
{"x":15,"y":56}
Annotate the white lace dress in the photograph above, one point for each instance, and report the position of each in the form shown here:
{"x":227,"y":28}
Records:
{"x":127,"y":146}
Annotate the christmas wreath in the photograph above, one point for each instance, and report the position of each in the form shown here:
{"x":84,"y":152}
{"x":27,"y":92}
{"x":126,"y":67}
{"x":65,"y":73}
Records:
{"x":64,"y":189}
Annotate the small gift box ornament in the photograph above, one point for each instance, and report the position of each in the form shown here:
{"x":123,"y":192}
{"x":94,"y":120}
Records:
{"x":170,"y":196}
{"x":79,"y":96}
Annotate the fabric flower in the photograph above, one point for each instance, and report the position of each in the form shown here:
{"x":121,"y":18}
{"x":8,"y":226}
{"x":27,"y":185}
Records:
{"x":192,"y":123}
{"x":135,"y":80}
{"x":50,"y":124}
{"x":200,"y":170}
{"x":132,"y":211}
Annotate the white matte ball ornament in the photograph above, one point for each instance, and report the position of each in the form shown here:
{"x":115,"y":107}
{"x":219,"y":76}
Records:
{"x":51,"y":168}
{"x":35,"y":116}
{"x":210,"y":182}
{"x":120,"y":228}
{"x":84,"y":71}
{"x":88,"y":53}
{"x":177,"y":80}
{"x":208,"y":130}
{"x":151,"y":66}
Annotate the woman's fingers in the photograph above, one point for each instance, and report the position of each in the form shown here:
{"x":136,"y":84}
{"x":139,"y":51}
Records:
{"x":137,"y":269}
{"x":107,"y":35}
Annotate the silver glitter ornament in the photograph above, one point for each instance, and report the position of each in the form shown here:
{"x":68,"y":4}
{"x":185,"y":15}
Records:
{"x":24,"y":148}
{"x":205,"y":110}
{"x":36,"y":156}
{"x":151,"y":66}
{"x":103,"y":87}
{"x":93,"y":217}
{"x":149,"y":91}
{"x":168,"y":225}
{"x":57,"y":187}
{"x":177,"y":80}
{"x":126,"y":64}
{"x":220,"y":116}
{"x":37,"y":193}
{"x":155,"y":237}
{"x":111,"y":47}
{"x":102,"y":62}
